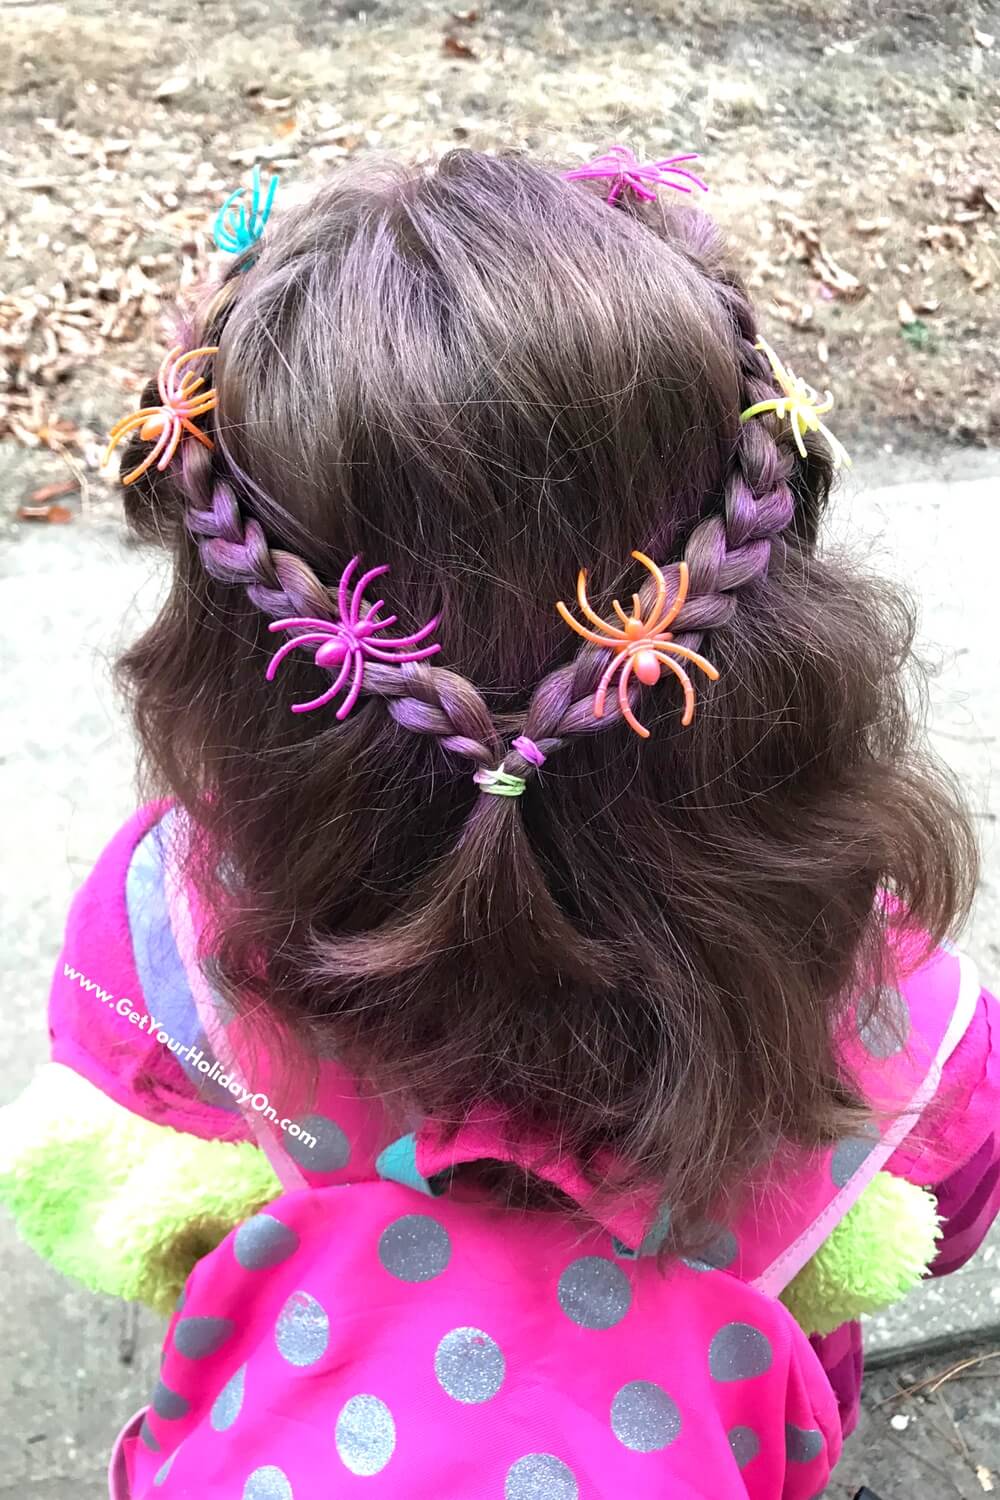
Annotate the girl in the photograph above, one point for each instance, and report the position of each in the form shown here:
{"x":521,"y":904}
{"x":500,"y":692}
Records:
{"x":587,"y":961}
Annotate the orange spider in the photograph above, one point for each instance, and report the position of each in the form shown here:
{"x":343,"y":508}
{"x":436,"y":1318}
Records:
{"x":643,"y":646}
{"x":182,"y":399}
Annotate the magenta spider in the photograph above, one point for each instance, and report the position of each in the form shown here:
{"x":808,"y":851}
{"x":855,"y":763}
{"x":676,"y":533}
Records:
{"x":349,"y":642}
{"x":626,"y":171}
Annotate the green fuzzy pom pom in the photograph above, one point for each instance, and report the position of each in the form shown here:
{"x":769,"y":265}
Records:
{"x":118,"y":1203}
{"x":880,"y":1250}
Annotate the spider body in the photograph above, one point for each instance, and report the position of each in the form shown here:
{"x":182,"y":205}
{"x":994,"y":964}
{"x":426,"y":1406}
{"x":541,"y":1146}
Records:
{"x":801,"y":404}
{"x":641,"y":647}
{"x":345,"y":644}
{"x":182,"y":400}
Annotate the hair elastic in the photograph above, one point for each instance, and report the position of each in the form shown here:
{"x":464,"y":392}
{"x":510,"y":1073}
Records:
{"x":642,"y":646}
{"x":499,"y":783}
{"x":529,"y":750}
{"x":181,"y":400}
{"x":346,"y":644}
{"x":236,"y":230}
{"x":801,"y":404}
{"x":625,"y":171}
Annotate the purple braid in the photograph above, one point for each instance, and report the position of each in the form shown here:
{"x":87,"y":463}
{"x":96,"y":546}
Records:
{"x":234,"y":550}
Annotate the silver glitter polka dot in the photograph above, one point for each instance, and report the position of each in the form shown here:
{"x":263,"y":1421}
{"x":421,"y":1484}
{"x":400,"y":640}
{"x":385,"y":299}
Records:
{"x":594,"y":1292}
{"x":415,"y":1248}
{"x":469,"y":1366}
{"x":197,"y":1337}
{"x":644,"y":1418}
{"x":540,"y":1476}
{"x":268,"y":1483}
{"x":366,"y":1435}
{"x":164,"y":1470}
{"x":167,"y":1404}
{"x":718,"y":1254}
{"x":745,"y":1445}
{"x":263,"y":1241}
{"x":302,"y":1331}
{"x":886,"y":1031}
{"x":738,"y":1352}
{"x":146,"y":1434}
{"x":229,"y":1402}
{"x":850,"y":1155}
{"x":331,"y":1151}
{"x":802,"y":1444}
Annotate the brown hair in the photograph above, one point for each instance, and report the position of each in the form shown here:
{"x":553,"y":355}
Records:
{"x":486,"y":377}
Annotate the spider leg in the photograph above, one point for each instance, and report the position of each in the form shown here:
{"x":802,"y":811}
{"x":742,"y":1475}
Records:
{"x":196,"y":432}
{"x":388,"y":656}
{"x":170,"y":430}
{"x":590,"y":614}
{"x":355,"y":689}
{"x":416,"y":637}
{"x":345,"y":579}
{"x":601,"y":693}
{"x":623,"y":703}
{"x":758,"y":409}
{"x":331,"y":692}
{"x":314,"y":637}
{"x":294,"y":622}
{"x":613,"y":642}
{"x":163,"y":374}
{"x":684,"y":681}
{"x":619,"y":611}
{"x":692,"y":656}
{"x":360,"y":587}
{"x":661,"y":586}
{"x":840,"y":453}
{"x":683,"y":582}
{"x":172,"y":434}
{"x":796,"y":416}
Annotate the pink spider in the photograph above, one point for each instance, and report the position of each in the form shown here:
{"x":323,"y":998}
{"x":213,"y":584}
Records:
{"x":182,"y":399}
{"x":626,"y":171}
{"x":643,"y":646}
{"x":348,"y":642}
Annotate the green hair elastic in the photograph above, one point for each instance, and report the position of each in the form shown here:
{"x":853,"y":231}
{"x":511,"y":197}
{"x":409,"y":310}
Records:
{"x":500,"y":783}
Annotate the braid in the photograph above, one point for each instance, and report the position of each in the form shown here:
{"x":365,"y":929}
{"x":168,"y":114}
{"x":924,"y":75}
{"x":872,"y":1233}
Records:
{"x":724,"y":553}
{"x":233,"y":549}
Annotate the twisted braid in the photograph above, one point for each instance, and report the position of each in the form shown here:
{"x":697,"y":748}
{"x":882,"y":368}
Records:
{"x":233,"y":549}
{"x":724,"y":553}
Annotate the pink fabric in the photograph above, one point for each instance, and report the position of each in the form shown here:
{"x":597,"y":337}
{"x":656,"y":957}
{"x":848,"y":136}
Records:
{"x":86,"y":1031}
{"x":348,"y":1344}
{"x":528,"y":1284}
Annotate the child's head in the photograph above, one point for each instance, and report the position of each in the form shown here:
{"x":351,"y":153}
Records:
{"x":487,"y":377}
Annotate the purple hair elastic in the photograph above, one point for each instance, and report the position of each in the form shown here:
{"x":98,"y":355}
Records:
{"x":529,"y":750}
{"x":642,"y":178}
{"x":350,"y":641}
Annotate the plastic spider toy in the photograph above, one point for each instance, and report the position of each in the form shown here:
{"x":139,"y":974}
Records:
{"x":644,"y":647}
{"x":626,"y":171}
{"x":181,"y":400}
{"x":235,"y":230}
{"x":349,"y":642}
{"x":801,"y":404}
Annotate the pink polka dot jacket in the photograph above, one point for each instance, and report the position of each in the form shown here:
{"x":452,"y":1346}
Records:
{"x":370,"y":1334}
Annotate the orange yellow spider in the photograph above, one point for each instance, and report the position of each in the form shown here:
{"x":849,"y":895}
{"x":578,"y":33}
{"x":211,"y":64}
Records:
{"x":800,"y":403}
{"x":641,"y":646}
{"x":182,"y":399}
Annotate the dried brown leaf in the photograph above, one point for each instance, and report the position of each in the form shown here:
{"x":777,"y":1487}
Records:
{"x":56,"y":515}
{"x":456,"y":48}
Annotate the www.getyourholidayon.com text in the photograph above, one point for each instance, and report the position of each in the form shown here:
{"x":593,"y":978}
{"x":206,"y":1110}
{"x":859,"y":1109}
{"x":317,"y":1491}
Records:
{"x":212,"y":1069}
